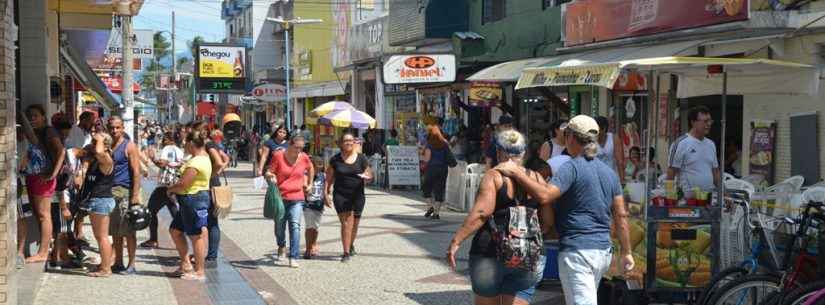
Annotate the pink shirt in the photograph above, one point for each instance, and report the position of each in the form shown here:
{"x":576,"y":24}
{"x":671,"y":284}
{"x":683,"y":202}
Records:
{"x":290,"y":177}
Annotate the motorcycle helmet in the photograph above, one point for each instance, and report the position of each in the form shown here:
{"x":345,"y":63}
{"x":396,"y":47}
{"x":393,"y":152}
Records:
{"x":138,"y":217}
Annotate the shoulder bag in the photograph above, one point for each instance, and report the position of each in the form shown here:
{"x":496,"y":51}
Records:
{"x":222,"y":199}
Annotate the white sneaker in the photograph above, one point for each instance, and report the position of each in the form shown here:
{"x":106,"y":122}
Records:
{"x":279,"y":254}
{"x":293,"y":263}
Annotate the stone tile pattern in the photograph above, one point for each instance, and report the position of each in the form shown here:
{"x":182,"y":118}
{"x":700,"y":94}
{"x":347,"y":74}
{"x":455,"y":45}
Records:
{"x":8,"y":189}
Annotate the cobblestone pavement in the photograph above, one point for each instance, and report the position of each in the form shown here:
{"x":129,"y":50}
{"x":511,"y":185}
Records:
{"x":399,"y":261}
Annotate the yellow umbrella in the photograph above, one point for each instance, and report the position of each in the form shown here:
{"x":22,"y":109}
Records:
{"x":329,"y":107}
{"x":351,"y":118}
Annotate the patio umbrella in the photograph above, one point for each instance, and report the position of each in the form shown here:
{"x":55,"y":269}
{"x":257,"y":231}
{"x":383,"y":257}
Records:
{"x":329,"y":107}
{"x":350,"y":118}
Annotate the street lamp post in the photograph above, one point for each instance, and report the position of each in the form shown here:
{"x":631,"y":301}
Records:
{"x":287,"y":24}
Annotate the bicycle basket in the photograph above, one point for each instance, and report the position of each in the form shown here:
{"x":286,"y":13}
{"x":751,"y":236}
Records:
{"x":775,"y":246}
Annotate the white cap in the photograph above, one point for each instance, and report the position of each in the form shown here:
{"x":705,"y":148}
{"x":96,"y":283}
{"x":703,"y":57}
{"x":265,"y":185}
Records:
{"x":584,"y":125}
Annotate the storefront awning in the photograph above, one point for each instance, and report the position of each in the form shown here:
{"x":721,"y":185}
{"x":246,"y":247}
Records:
{"x":83,"y":73}
{"x":511,"y":71}
{"x":332,"y":88}
{"x":746,"y":76}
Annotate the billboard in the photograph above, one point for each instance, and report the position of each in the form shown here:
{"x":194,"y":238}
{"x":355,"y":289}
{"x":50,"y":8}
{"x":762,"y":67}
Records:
{"x":221,"y":68}
{"x":419,"y":68}
{"x":589,"y":21}
{"x":142,"y":45}
{"x":221,"y":61}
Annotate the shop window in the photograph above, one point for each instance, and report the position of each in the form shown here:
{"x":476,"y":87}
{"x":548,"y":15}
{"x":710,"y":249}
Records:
{"x":493,"y":10}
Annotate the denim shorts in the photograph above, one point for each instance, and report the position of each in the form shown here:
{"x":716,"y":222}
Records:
{"x":491,"y":278}
{"x":194,"y":212}
{"x":101,"y":206}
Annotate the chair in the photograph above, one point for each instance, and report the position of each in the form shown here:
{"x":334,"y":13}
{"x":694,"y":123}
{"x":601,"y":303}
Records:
{"x":740,"y":185}
{"x":476,"y":168}
{"x":726,"y":177}
{"x":796,"y":181}
{"x":815,"y":194}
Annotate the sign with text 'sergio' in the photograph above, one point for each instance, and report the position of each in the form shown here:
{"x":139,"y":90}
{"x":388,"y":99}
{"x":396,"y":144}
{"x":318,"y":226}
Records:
{"x":221,"y":68}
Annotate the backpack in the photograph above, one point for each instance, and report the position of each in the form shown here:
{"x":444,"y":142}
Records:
{"x":517,"y":234}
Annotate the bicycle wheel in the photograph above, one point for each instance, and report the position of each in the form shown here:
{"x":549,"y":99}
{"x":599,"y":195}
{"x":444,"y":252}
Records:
{"x":774,"y":298}
{"x":799,"y":295}
{"x":746,"y":290}
{"x":719,"y":280}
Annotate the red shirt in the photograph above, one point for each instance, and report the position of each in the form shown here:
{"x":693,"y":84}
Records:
{"x":290,"y":177}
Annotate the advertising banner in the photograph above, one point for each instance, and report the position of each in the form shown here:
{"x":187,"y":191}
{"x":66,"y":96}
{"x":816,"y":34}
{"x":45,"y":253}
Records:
{"x":403,"y":165}
{"x":115,"y":84}
{"x":589,"y":21}
{"x":762,"y":149}
{"x":221,"y":61}
{"x":419,"y":68}
{"x":485,"y":94}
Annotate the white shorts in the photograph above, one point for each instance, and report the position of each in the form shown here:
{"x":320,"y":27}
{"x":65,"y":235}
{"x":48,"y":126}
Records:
{"x":312,"y":218}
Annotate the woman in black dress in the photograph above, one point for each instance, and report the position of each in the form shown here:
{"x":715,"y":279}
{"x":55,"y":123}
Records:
{"x":348,"y":171}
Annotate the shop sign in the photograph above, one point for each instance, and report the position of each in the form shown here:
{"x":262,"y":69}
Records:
{"x":142,"y":44}
{"x":115,"y":84}
{"x":410,"y":69}
{"x":631,"y":81}
{"x":402,"y":165}
{"x":596,"y":75}
{"x":221,"y":61}
{"x":485,"y":94}
{"x":762,"y":149}
{"x":367,"y":39}
{"x":269,"y":92}
{"x":589,"y":21}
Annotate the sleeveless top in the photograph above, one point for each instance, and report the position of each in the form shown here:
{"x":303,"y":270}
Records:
{"x":483,"y":244}
{"x":438,"y":157}
{"x":97,"y":185}
{"x":606,"y":152}
{"x":122,"y":173}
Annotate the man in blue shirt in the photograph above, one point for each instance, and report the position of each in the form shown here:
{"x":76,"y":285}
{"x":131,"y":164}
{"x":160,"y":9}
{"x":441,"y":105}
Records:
{"x":587,"y":194}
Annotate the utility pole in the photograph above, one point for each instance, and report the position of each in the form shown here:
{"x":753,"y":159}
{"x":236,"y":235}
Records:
{"x":174,"y":89}
{"x":127,"y":94}
{"x":287,"y":76}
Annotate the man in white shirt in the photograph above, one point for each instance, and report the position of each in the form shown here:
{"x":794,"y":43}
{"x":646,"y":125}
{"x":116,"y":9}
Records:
{"x":692,"y":156}
{"x":81,"y":134}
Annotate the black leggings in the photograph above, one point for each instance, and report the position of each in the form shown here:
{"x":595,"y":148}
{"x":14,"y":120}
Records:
{"x":435,"y":182}
{"x":157,"y":201}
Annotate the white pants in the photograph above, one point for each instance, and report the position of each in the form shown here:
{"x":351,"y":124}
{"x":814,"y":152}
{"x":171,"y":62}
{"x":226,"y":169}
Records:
{"x":580,"y":272}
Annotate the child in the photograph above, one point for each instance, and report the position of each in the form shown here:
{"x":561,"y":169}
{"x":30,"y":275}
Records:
{"x":314,"y":209}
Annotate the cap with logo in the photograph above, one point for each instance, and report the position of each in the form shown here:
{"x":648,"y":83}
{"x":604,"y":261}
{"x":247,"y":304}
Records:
{"x":583,"y":124}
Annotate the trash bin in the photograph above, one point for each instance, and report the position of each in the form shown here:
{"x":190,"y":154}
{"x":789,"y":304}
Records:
{"x":551,"y":267}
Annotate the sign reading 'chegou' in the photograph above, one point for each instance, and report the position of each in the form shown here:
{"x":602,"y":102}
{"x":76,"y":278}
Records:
{"x":419,"y":68}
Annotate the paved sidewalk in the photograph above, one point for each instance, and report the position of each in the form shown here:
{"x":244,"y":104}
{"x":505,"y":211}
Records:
{"x":399,"y":261}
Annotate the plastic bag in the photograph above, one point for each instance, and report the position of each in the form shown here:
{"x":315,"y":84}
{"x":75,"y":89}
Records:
{"x":273,"y":203}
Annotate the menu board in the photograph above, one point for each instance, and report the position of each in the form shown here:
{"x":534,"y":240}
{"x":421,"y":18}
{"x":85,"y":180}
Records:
{"x":402,"y":165}
{"x":762,"y":148}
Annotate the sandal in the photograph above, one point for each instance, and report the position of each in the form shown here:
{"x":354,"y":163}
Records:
{"x":149,"y":244}
{"x":181,"y":272}
{"x":193,"y":277}
{"x":99,"y":273}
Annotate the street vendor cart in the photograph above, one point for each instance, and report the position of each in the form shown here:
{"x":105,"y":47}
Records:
{"x":677,"y":240}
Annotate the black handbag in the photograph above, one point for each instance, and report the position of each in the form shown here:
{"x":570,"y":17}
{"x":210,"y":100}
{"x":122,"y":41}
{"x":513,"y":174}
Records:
{"x":451,"y":161}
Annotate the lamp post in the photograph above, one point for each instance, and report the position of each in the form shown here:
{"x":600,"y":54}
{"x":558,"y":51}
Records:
{"x":287,"y":24}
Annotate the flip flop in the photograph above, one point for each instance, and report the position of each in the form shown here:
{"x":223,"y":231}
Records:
{"x":149,"y":244}
{"x":193,"y":277}
{"x":181,"y":272}
{"x":99,"y":274}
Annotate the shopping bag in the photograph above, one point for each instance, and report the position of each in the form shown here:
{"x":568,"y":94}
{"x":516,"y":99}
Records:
{"x":259,"y":183}
{"x":222,"y":199}
{"x":273,"y":203}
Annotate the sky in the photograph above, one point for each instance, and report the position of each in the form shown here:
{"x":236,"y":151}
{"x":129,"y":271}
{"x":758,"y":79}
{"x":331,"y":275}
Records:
{"x":192,"y":18}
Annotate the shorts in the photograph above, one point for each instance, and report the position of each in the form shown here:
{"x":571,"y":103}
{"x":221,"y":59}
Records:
{"x":118,"y":226}
{"x":349,"y":203}
{"x":101,"y":206}
{"x":37,"y":186}
{"x":60,"y":225}
{"x":194,"y":212}
{"x":312,"y":218}
{"x":491,"y":278}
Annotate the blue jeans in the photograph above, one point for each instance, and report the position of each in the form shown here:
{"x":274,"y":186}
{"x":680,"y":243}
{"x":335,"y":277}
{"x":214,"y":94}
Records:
{"x":580,"y":272}
{"x":214,"y":233}
{"x":490,"y":278}
{"x":294,"y":213}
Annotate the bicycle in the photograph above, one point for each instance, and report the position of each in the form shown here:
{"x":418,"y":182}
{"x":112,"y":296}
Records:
{"x":738,"y":291}
{"x":751,"y":263}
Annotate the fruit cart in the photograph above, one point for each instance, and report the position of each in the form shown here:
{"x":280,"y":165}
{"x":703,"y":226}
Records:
{"x":676,"y":241}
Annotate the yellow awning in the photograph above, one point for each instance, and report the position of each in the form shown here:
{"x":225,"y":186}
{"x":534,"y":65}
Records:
{"x":746,"y":75}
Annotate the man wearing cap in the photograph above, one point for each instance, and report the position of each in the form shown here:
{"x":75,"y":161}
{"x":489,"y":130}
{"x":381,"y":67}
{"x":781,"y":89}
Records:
{"x":505,"y":122}
{"x":585,"y":194}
